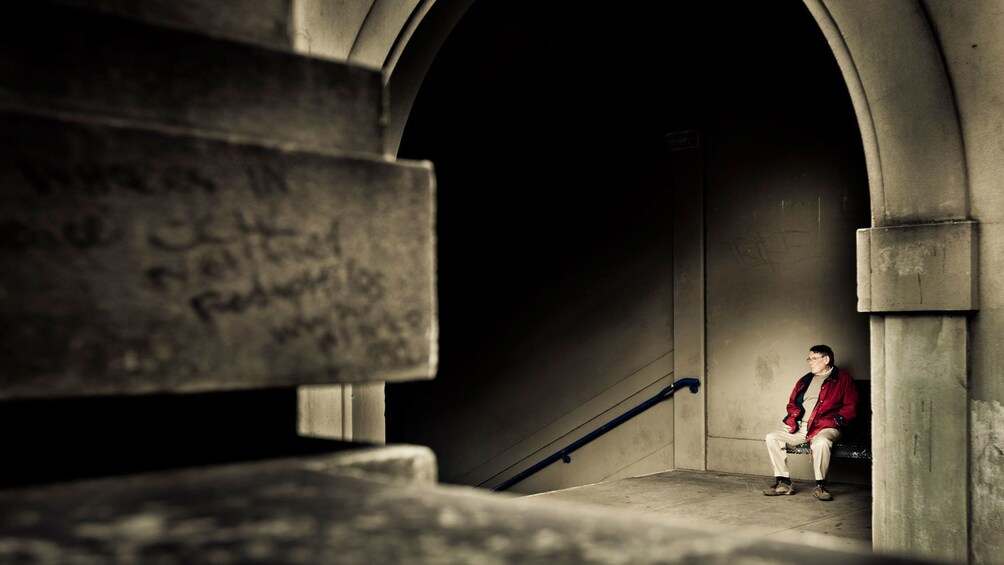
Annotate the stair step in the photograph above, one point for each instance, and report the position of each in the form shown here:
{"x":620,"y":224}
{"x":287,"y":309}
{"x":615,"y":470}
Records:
{"x":134,"y":261}
{"x":101,"y":67}
{"x":262,"y":22}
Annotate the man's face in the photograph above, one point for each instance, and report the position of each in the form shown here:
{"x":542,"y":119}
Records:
{"x":818,"y":363}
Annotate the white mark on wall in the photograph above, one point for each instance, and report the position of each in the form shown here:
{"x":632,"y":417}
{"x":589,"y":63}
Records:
{"x":907,"y":260}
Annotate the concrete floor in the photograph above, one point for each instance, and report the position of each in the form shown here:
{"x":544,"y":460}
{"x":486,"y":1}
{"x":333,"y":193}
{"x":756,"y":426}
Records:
{"x":737,"y":500}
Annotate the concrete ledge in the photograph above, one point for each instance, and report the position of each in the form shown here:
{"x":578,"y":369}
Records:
{"x":283,"y":511}
{"x":407,"y":464}
{"x":261,"y":22}
{"x":133,"y":262}
{"x":918,"y":268}
{"x":102,"y":68}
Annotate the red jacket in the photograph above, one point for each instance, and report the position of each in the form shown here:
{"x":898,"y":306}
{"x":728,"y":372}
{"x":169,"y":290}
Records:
{"x":837,"y":405}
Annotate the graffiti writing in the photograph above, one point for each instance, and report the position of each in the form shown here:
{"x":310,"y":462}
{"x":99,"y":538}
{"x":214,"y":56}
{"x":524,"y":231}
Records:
{"x":204,"y":250}
{"x":85,"y":232}
{"x":266,"y":180}
{"x":186,"y":235}
{"x":209,"y":265}
{"x":98,"y":179}
{"x":211,"y":303}
{"x":316,"y":327}
{"x":384,"y":339}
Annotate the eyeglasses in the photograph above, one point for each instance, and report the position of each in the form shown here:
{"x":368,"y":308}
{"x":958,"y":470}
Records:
{"x":810,"y":359}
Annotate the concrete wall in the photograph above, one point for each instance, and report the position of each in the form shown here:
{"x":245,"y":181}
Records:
{"x":973,"y":47}
{"x":555,"y":251}
{"x":785,"y":191}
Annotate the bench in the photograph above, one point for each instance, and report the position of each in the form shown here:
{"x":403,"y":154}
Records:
{"x":856,"y":440}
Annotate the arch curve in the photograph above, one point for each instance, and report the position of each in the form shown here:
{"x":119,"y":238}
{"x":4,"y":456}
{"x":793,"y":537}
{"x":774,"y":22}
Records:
{"x":892,"y":65}
{"x":902,"y":95}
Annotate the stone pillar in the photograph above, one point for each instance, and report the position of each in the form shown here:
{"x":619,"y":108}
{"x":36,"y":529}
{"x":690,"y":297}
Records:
{"x":916,"y":269}
{"x":348,"y":412}
{"x":689,"y":414}
{"x":345,"y":412}
{"x":919,"y":281}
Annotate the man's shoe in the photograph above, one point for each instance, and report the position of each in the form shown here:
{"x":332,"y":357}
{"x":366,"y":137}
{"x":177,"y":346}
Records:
{"x":821,"y":493}
{"x":779,"y":489}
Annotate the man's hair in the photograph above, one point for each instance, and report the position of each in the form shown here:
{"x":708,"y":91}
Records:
{"x":825,"y":350}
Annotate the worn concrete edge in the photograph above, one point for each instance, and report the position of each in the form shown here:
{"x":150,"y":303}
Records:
{"x":864,"y":275}
{"x":397,"y":463}
{"x":90,"y":119}
{"x":868,"y":302}
{"x":276,"y":42}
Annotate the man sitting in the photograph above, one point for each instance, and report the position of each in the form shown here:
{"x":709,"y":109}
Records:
{"x":823,"y":401}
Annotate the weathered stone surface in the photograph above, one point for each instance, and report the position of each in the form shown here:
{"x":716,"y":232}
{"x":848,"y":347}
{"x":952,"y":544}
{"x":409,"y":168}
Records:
{"x":134,"y":262}
{"x":289,"y":511}
{"x":987,"y":464}
{"x":410,"y":464}
{"x":922,"y":399}
{"x":106,"y":68}
{"x":918,"y":268}
{"x":894,"y":65}
{"x":264,"y":22}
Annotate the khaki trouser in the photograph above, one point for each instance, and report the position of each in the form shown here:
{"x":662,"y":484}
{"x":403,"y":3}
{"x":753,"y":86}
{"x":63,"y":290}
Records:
{"x":819,"y":449}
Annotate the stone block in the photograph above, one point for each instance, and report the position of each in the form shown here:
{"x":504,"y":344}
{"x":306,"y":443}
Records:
{"x":136,"y":262}
{"x":107,"y":69}
{"x":918,"y":268}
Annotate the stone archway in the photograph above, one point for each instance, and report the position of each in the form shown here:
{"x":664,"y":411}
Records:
{"x":899,"y":81}
{"x":902,"y":94}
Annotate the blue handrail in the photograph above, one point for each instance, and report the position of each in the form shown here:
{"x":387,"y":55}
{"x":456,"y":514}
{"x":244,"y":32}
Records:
{"x":563,"y":454}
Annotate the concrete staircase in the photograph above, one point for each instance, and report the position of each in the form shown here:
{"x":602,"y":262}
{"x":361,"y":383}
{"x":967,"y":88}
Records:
{"x":186,"y":213}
